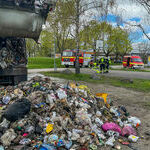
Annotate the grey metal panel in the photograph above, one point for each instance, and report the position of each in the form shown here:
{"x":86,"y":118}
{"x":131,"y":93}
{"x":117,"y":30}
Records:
{"x":13,"y":71}
{"x":18,"y":23}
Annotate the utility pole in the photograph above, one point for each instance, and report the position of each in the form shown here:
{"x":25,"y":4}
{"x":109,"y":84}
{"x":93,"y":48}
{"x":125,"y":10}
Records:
{"x":55,"y":67}
{"x":77,"y":66}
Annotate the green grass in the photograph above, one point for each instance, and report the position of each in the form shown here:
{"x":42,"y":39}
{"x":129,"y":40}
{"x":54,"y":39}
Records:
{"x":138,"y":84}
{"x":43,"y":62}
{"x":116,"y":64}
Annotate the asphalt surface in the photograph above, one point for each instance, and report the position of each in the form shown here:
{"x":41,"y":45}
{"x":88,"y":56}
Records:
{"x":112,"y":73}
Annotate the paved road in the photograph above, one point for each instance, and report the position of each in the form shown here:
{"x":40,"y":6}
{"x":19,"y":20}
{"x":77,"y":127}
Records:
{"x":113,"y":73}
{"x":120,"y":67}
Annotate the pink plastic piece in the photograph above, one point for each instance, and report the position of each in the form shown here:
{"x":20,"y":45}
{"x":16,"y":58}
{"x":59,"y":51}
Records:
{"x":128,"y":130}
{"x":111,"y":126}
{"x":25,"y":134}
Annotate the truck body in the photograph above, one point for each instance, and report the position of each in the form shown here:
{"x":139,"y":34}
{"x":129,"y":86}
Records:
{"x":69,"y":58}
{"x":134,"y":62}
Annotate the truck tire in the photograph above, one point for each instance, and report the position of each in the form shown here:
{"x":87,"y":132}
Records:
{"x":81,"y":65}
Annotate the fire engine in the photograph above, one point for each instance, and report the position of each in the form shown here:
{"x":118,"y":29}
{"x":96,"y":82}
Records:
{"x":69,"y":57}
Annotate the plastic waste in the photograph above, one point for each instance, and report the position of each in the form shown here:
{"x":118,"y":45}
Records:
{"x":112,"y":133}
{"x":6,"y":99}
{"x":8,"y":137}
{"x":96,"y":130}
{"x":52,"y":138}
{"x":115,"y":111}
{"x":133,"y":138}
{"x":50,"y":98}
{"x":83,"y":117}
{"x":17,"y":110}
{"x":100,"y":122}
{"x":30,"y":129}
{"x":5,"y":123}
{"x":18,"y":93}
{"x":38,"y":129}
{"x":93,"y":147}
{"x":75,"y":122}
{"x":49,"y":128}
{"x":98,"y":114}
{"x":25,"y":141}
{"x":111,"y":126}
{"x":128,"y":130}
{"x":2,"y":148}
{"x":110,"y":141}
{"x":61,"y":94}
{"x":104,"y":96}
{"x":75,"y":136}
{"x":120,"y":122}
{"x":47,"y":147}
{"x":134,"y":121}
{"x":60,"y":143}
{"x":68,"y":144}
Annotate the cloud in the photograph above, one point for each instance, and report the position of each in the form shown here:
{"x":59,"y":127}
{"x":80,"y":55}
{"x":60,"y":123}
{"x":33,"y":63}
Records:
{"x":128,"y":9}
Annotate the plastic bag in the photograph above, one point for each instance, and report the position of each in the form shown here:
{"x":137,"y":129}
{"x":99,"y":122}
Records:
{"x":17,"y":110}
{"x":50,"y":98}
{"x":6,"y":99}
{"x":111,"y":126}
{"x":25,"y":141}
{"x":5,"y":123}
{"x":83,"y":117}
{"x":8,"y":136}
{"x":61,"y":94}
{"x":128,"y":130}
{"x":110,"y":141}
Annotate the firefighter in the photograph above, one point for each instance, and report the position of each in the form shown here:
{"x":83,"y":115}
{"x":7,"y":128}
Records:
{"x":108,"y":62}
{"x":96,"y":66}
{"x":102,"y":65}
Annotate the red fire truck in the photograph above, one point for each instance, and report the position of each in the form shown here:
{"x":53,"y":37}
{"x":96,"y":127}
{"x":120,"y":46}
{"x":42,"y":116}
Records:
{"x":69,"y":58}
{"x":133,"y":62}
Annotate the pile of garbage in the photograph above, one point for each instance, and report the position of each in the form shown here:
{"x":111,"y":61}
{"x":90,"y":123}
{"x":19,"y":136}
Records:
{"x":44,"y":115}
{"x":12,"y":52}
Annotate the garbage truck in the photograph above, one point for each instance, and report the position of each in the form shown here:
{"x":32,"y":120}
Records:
{"x":19,"y":19}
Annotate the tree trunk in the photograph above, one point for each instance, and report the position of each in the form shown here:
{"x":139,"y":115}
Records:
{"x":77,"y":66}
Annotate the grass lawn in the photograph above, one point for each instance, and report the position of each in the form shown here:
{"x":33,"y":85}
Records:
{"x":138,"y":84}
{"x":43,"y":62}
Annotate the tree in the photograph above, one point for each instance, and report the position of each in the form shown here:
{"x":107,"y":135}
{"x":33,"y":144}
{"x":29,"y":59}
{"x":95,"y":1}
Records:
{"x":93,"y":32}
{"x":146,"y":5}
{"x":32,"y":47}
{"x":144,"y":50}
{"x":47,"y":44}
{"x":60,"y":23}
{"x":82,"y":6}
{"x":119,"y":42}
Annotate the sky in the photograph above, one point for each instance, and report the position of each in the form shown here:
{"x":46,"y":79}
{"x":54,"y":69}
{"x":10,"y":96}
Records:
{"x":125,"y":13}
